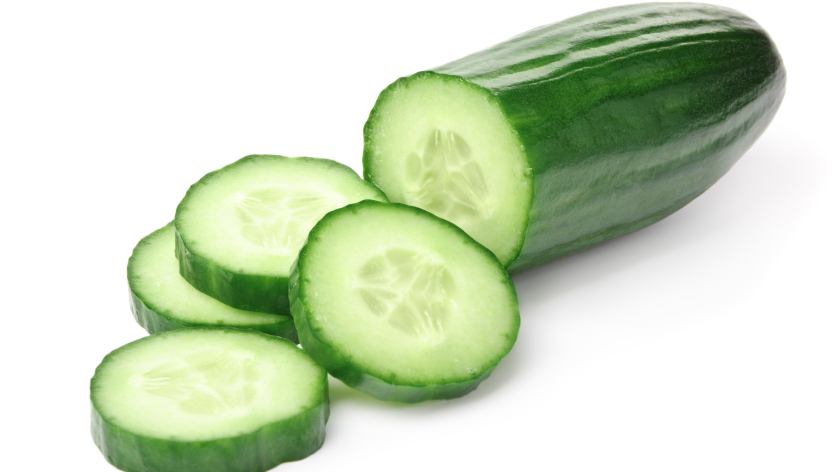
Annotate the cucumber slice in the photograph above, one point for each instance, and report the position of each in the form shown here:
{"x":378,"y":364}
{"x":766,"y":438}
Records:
{"x":577,"y":132}
{"x":208,"y":399}
{"x":400,"y":304}
{"x":161,"y":300}
{"x":239,"y":229}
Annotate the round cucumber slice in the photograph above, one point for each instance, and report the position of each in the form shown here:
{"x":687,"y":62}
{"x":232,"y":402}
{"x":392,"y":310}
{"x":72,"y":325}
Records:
{"x":240,"y":228}
{"x":400,"y":304}
{"x":208,"y":399}
{"x":161,"y":300}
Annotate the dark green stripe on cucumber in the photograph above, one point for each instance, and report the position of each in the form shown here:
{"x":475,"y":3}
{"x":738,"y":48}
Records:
{"x":578,"y":132}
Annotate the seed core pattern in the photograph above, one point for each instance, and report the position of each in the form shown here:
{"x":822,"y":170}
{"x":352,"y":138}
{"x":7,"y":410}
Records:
{"x":411,"y":290}
{"x":279,"y":219}
{"x":204,"y":383}
{"x":446,"y":180}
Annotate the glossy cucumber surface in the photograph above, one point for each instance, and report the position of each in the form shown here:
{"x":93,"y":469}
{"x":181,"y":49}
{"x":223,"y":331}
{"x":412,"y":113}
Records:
{"x":621,"y":116}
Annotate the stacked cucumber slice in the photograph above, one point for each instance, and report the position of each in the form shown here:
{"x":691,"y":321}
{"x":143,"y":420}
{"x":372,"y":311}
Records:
{"x":560,"y":139}
{"x":161,"y":300}
{"x":388,"y":298}
{"x":240,"y":228}
{"x":199,"y":394}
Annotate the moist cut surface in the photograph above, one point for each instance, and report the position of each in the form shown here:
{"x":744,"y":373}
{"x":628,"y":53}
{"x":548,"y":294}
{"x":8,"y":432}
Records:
{"x":401,"y":304}
{"x":240,"y":228}
{"x":209,"y":399}
{"x":443,"y":145}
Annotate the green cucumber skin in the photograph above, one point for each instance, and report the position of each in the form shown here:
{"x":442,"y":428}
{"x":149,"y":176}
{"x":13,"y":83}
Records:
{"x":155,"y":321}
{"x":265,"y":294}
{"x":250,"y":292}
{"x":625,"y":114}
{"x":257,"y":451}
{"x":343,"y":368}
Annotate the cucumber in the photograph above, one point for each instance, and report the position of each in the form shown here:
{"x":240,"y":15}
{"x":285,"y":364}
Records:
{"x":400,"y":304}
{"x":239,"y":229}
{"x":161,"y":300}
{"x":578,"y":132}
{"x":208,"y":399}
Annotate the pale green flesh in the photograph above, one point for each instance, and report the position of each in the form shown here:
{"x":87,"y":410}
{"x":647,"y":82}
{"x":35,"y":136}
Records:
{"x":253,"y":217}
{"x":445,"y":146}
{"x":278,"y":219}
{"x":154,"y":277}
{"x":412,"y":290}
{"x":408,"y":300}
{"x":205,"y":384}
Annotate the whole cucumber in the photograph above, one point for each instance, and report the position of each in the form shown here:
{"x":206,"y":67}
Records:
{"x":577,"y":132}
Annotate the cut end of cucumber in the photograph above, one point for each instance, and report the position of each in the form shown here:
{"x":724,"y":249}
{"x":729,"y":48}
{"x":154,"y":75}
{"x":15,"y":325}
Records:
{"x":445,"y":179}
{"x":443,"y":144}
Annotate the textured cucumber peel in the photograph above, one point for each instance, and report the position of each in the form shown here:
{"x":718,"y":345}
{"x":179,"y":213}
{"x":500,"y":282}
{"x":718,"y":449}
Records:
{"x":400,"y":304}
{"x":208,"y":399}
{"x":238,"y":229}
{"x":606,"y":123}
{"x":161,"y":300}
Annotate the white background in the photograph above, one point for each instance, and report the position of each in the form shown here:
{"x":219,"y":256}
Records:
{"x":708,"y":341}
